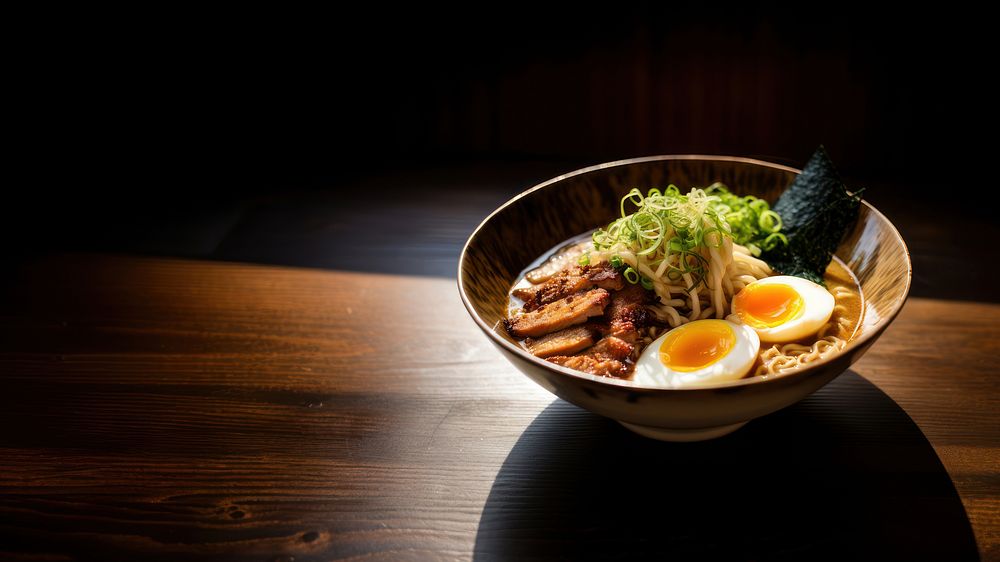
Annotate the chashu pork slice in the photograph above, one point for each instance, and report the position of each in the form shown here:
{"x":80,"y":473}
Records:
{"x":627,"y":312}
{"x":558,"y":287}
{"x":563,"y":313}
{"x":563,"y":342}
{"x":607,"y":358}
{"x":569,"y":281}
{"x":604,"y":276}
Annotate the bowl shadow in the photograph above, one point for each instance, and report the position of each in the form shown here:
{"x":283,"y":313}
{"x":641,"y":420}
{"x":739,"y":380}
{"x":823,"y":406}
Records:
{"x":843,"y":473}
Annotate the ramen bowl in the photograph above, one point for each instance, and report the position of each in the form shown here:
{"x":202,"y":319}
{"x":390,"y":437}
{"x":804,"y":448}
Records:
{"x":535,"y":223}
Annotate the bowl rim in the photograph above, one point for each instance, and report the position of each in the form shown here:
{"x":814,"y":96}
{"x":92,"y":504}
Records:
{"x":863,"y":339}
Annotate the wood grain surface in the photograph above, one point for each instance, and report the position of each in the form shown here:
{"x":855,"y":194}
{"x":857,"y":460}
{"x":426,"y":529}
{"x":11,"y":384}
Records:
{"x":166,"y":409}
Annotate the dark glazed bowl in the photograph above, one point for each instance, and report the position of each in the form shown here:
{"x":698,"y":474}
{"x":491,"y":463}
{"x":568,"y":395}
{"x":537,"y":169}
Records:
{"x":537,"y":221}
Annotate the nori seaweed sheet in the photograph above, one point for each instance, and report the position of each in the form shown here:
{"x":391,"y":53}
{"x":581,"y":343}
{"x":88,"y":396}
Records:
{"x":816,"y":211}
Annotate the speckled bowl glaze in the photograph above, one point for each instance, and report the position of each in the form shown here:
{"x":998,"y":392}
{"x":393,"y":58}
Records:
{"x":538,"y":220}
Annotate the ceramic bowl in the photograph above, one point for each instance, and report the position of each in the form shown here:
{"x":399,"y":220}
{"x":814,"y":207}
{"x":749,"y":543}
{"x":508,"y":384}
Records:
{"x":540,"y":219}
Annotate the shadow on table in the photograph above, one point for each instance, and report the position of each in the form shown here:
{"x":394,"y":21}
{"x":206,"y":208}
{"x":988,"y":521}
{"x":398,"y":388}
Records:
{"x":844,"y":473}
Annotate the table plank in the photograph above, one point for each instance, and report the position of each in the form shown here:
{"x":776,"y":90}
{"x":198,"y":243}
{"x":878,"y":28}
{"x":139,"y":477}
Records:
{"x":163,"y":407}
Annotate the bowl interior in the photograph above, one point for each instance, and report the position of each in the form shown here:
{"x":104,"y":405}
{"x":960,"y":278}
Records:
{"x":539,"y":219}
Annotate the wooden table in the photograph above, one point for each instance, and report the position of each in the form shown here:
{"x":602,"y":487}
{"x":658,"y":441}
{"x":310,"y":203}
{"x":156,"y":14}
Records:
{"x":166,"y":409}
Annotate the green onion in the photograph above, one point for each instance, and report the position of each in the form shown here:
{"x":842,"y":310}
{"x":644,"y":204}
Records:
{"x":646,"y":283}
{"x":631,"y":275}
{"x":665,"y":226}
{"x":751,"y":220}
{"x":774,"y":240}
{"x":584,"y":260}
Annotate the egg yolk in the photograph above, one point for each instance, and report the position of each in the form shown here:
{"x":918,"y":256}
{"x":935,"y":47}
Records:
{"x":767,"y":305}
{"x":697,"y":345}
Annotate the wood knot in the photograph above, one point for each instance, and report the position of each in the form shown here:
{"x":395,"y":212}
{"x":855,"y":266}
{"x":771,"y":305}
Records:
{"x":310,"y":536}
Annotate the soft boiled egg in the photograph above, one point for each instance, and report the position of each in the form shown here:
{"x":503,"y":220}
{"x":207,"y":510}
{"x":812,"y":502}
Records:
{"x":783,"y":308}
{"x":698,"y":353}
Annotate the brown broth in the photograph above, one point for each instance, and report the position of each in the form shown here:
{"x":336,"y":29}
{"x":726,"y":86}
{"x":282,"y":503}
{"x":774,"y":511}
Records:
{"x":838,"y":275}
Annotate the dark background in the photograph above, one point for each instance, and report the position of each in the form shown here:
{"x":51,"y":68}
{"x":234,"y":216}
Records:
{"x":329,"y":139}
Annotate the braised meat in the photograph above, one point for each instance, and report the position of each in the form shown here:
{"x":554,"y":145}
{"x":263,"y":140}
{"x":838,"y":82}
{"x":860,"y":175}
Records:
{"x":558,"y":287}
{"x":563,"y":342}
{"x":604,"y":276}
{"x":592,"y":365}
{"x":584,"y":317}
{"x":563,"y":313}
{"x":572,"y":280}
{"x":607,"y":358}
{"x":627,"y":312}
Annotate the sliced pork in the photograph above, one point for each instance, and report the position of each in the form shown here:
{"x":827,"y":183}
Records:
{"x":563,"y":313}
{"x":592,"y":365}
{"x":563,"y":342}
{"x":586,"y":318}
{"x":558,"y":287}
{"x":572,"y":280}
{"x":604,"y":276}
{"x":627,"y":312}
{"x":607,"y":358}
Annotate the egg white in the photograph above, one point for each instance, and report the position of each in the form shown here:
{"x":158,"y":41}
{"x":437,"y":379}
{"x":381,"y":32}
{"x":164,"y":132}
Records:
{"x":817,"y":308}
{"x":650,"y":371}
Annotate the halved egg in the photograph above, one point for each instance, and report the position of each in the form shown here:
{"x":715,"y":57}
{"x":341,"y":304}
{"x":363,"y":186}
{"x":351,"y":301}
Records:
{"x":783,"y":308}
{"x":698,"y":353}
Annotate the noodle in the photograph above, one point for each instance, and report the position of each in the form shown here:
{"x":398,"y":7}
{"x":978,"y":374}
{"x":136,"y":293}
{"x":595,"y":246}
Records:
{"x":730,"y":268}
{"x":790,"y":356}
